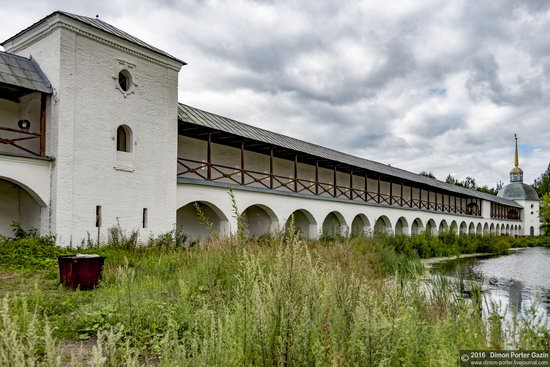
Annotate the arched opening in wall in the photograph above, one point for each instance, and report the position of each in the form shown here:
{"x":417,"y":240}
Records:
{"x":507,"y":230}
{"x":463,"y":228}
{"x":443,"y":226}
{"x":20,"y":205}
{"x":431,"y":227}
{"x":383,"y":225}
{"x":472,"y":228}
{"x":417,"y":226}
{"x":260,"y":220}
{"x":520,"y":232}
{"x":304,"y":223}
{"x":334,"y":225}
{"x":479,"y":229}
{"x":454,"y":226}
{"x":360,"y":226}
{"x":532,"y":231}
{"x":190,"y":224}
{"x":486,"y":230}
{"x":515,"y":230}
{"x":401,"y":227}
{"x":124,"y":139}
{"x":497,"y":230}
{"x":492,"y":229}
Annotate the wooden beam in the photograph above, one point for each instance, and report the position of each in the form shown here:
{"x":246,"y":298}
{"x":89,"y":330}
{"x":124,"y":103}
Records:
{"x":428,"y":199}
{"x":43,"y":97}
{"x":242,"y":162}
{"x":295,"y":172}
{"x":401,"y":193}
{"x":209,"y":157}
{"x":366,"y":186}
{"x":351,"y":185}
{"x":316,"y":177}
{"x":271,"y":168}
{"x":334,"y":182}
{"x":378,"y":193}
{"x":391,"y":192}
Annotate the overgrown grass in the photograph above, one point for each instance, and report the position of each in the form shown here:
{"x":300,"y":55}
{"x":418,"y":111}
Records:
{"x":270,"y":301}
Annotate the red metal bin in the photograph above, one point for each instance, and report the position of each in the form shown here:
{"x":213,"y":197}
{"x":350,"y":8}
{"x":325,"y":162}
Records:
{"x":80,"y":271}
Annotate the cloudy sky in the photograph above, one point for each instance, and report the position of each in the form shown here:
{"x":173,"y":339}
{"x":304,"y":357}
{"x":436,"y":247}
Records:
{"x":430,"y":85}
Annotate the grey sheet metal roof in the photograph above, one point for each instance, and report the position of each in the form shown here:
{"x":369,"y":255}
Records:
{"x":22,"y":72}
{"x":103,"y":26}
{"x":518,"y":191}
{"x":207,"y":119}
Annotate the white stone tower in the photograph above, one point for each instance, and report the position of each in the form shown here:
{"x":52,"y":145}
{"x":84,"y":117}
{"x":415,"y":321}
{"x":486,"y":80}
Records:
{"x":525,"y":195}
{"x":112,"y":130}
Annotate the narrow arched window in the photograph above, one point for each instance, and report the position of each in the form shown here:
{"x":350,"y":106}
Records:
{"x":123,"y":139}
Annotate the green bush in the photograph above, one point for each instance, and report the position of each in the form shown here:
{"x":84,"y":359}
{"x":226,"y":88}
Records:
{"x":30,"y":253}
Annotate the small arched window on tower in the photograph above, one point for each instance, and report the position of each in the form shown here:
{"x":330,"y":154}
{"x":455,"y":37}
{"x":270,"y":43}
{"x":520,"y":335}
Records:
{"x":123,"y":139}
{"x":124,"y":149}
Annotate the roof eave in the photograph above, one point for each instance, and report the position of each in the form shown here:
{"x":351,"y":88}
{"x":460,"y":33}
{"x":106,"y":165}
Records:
{"x":64,"y":14}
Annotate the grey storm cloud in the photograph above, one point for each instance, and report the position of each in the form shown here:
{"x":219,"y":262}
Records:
{"x":435,"y":85}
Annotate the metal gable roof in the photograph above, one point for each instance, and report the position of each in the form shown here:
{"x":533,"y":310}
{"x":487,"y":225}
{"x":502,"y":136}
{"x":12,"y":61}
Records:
{"x":21,"y":72}
{"x":196,"y":116}
{"x":103,"y":26}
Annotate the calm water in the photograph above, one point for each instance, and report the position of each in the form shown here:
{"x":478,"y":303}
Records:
{"x":514,"y":281}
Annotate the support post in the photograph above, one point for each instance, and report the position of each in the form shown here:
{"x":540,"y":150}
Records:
{"x":43,"y":97}
{"x":351,"y":185}
{"x":209,"y":157}
{"x":455,"y":205}
{"x":271,"y":168}
{"x":334,"y":182}
{"x":366,"y":186}
{"x":391,"y":192}
{"x":420,"y":198}
{"x":401,"y":193}
{"x":378,"y":193}
{"x":316,"y":177}
{"x":242,"y":162}
{"x":428,"y":199}
{"x":295,"y":172}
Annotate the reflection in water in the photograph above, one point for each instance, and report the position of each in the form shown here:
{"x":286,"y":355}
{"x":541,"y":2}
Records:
{"x":514,"y":281}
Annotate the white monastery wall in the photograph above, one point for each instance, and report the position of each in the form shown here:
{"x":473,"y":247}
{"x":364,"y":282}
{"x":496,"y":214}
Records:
{"x":280,"y":206}
{"x":33,"y":199}
{"x":530,"y":217}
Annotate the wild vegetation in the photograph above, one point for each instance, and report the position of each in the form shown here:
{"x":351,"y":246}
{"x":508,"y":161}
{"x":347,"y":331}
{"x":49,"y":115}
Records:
{"x":265,"y":301}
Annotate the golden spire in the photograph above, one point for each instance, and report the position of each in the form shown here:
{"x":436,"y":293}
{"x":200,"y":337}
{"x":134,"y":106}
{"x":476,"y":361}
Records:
{"x":516,"y":161}
{"x":516,"y":174}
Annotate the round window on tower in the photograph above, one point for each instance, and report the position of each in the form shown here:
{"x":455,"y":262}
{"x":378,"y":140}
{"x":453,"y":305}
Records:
{"x":125,"y":80}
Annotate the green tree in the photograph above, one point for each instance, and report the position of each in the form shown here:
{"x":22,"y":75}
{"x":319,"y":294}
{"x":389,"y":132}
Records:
{"x":545,"y":213}
{"x":542,"y":184}
{"x":428,"y":174}
{"x":451,"y":180}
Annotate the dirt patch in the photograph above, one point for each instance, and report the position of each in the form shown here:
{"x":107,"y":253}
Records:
{"x":80,"y":349}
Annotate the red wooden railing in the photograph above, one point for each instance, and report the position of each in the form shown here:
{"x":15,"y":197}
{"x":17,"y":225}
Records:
{"x":222,"y":173}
